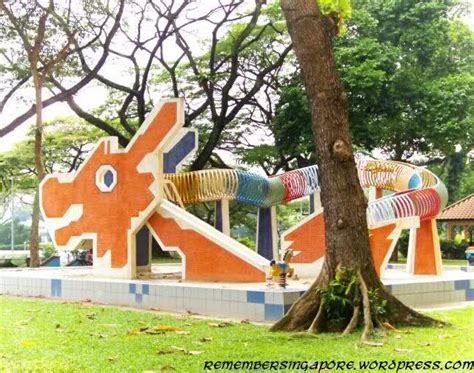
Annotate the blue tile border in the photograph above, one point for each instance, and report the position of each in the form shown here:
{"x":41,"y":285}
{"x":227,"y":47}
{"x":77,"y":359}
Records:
{"x":56,"y":287}
{"x":138,"y":298}
{"x":255,"y":297}
{"x":264,"y":304}
{"x":273,"y":311}
{"x":462,"y":284}
{"x":469,"y":294}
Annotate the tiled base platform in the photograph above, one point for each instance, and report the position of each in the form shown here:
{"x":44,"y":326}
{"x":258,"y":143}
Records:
{"x":256,"y":302}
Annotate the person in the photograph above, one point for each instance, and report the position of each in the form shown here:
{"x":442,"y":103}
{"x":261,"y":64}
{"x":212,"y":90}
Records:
{"x":470,"y":255}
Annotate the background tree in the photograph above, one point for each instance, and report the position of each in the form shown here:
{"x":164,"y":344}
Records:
{"x":407,"y":68}
{"x":341,"y":194}
{"x":96,"y":22}
{"x":66,"y":143}
{"x":30,"y":22}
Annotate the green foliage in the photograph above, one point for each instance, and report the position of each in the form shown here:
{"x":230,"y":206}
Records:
{"x":450,"y":249}
{"x":378,"y":306}
{"x":291,"y":213}
{"x":457,"y":171}
{"x":47,"y":249}
{"x":402,"y":243}
{"x":66,"y":142}
{"x":339,"y":295}
{"x":407,"y":68}
{"x":342,"y":8}
{"x":247,"y":241}
{"x":453,"y":249}
{"x":291,"y":125}
{"x":263,"y":155}
{"x":21,"y":234}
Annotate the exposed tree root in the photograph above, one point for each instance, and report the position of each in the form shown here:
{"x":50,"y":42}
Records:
{"x":353,"y":322}
{"x":309,"y":312}
{"x":315,"y":326}
{"x":368,"y":324}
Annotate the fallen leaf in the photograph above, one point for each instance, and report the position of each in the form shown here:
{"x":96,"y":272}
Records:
{"x":135,"y":331}
{"x":404,"y":350}
{"x":178,"y":349}
{"x":167,"y":368}
{"x":154,"y":332}
{"x":195,"y":352}
{"x":444,"y":336}
{"x":167,"y":328}
{"x":388,"y":326}
{"x":112,"y":358}
{"x":91,"y":316}
{"x":165,"y":351}
{"x":205,"y":339}
{"x":219,"y":325}
{"x":27,"y":343}
{"x":373,"y":344}
{"x":23,"y":322}
{"x":184,"y":332}
{"x":98,"y":335}
{"x":398,"y":337}
{"x":425,"y":344}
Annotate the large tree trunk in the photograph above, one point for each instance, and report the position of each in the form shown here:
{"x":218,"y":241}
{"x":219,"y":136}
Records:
{"x":35,"y":217}
{"x":347,"y":241}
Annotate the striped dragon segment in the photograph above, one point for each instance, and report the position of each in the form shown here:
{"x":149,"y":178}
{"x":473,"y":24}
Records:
{"x":417,"y":191}
{"x":244,"y":186}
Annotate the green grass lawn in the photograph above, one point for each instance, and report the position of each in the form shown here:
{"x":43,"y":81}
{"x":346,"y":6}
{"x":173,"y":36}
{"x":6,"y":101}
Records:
{"x":456,"y":262}
{"x":166,"y":260}
{"x":44,"y":336}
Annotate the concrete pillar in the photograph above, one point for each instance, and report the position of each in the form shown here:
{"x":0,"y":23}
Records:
{"x":424,"y":254}
{"x":375,"y":193}
{"x":411,"y":251}
{"x":267,"y":233}
{"x":222,"y":219}
{"x":314,"y":202}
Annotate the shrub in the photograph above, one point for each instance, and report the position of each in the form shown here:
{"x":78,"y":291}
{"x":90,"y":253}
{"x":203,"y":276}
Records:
{"x":48,"y":249}
{"x":452,"y":250}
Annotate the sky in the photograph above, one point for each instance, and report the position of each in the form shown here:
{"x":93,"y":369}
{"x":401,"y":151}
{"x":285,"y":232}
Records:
{"x":93,"y":96}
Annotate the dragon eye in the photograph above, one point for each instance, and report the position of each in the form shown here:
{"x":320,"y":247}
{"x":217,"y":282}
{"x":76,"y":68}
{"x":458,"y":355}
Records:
{"x":106,"y":178}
